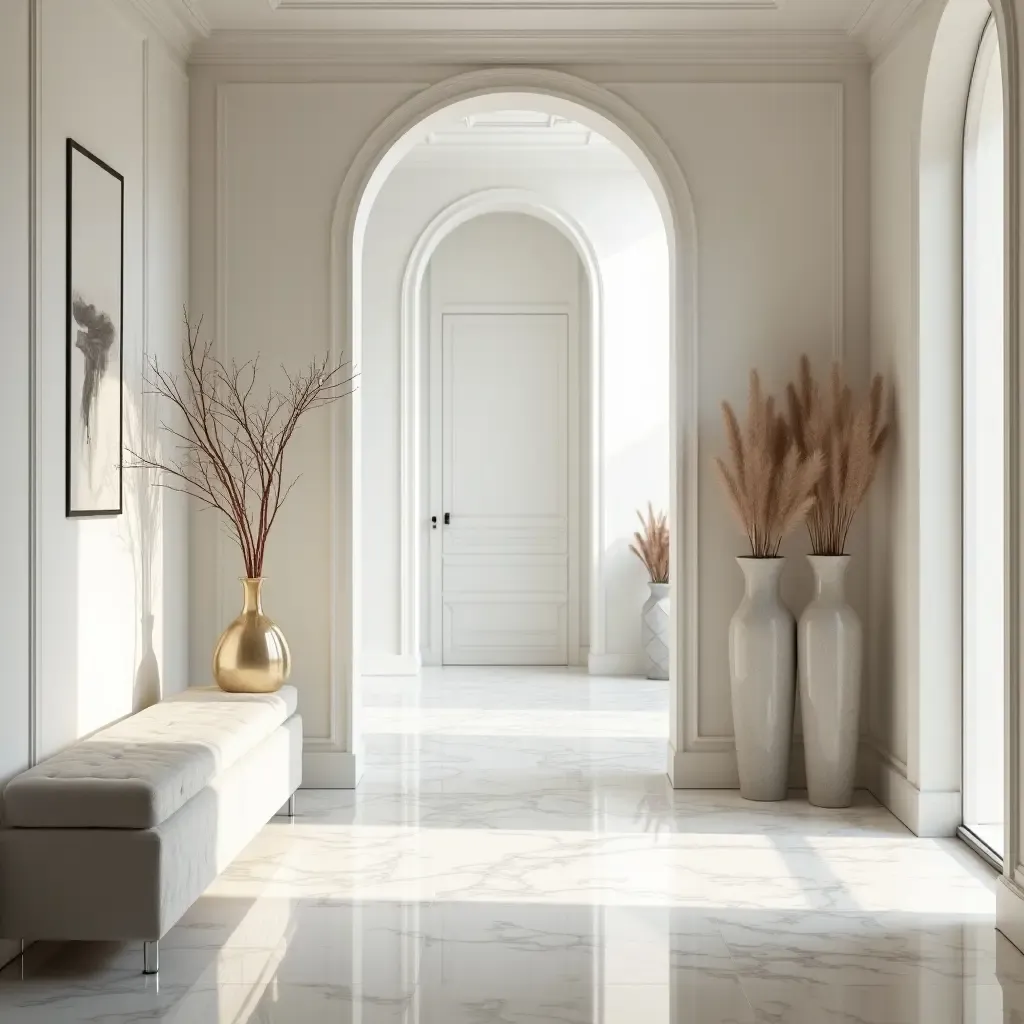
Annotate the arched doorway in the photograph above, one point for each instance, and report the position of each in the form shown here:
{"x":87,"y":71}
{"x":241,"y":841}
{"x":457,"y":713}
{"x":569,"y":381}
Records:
{"x":459,"y":213}
{"x":984,"y":446}
{"x":497,"y":89}
{"x":939,"y":404}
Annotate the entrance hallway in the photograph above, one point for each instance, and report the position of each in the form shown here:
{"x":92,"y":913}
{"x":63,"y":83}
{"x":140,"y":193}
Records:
{"x":514,"y":855}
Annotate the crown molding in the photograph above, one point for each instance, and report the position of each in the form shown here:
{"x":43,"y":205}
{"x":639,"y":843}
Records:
{"x":882,"y":23}
{"x":252,"y":47}
{"x":626,"y":5}
{"x":180,"y":23}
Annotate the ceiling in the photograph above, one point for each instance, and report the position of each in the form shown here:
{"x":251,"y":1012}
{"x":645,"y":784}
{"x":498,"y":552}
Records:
{"x":514,"y":128}
{"x":856,"y":25}
{"x":529,"y":137}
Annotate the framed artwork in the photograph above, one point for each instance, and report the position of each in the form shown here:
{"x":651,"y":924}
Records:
{"x":95,"y":355}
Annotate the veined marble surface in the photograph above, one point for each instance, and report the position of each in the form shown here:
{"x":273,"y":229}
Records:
{"x":515,"y":855}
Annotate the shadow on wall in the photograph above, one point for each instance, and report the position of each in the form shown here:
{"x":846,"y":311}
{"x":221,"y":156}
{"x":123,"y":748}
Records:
{"x":635,"y":408}
{"x":92,"y":639}
{"x":885,"y":651}
{"x":636,"y":472}
{"x":141,"y":530}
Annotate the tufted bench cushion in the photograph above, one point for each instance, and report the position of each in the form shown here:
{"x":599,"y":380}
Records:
{"x":140,"y":771}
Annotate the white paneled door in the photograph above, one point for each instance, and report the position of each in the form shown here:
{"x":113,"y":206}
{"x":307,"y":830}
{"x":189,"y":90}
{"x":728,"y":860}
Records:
{"x":504,"y":454}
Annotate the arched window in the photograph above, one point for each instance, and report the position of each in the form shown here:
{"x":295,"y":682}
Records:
{"x":984,"y":551}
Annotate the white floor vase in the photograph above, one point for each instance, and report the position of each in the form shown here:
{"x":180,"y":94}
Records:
{"x":830,"y":646}
{"x":762,"y":666}
{"x":655,"y":627}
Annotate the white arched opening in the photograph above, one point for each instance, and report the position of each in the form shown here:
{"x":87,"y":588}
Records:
{"x":502,"y":200}
{"x":984,"y":448}
{"x":929,"y":796}
{"x":934,"y":575}
{"x":336,"y":757}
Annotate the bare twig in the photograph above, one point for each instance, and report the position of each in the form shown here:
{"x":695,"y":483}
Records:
{"x":229,"y":450}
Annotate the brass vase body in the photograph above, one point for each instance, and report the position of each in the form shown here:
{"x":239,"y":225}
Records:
{"x":252,"y":654}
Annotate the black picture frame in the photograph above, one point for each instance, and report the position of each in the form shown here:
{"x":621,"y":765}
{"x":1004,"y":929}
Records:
{"x":89,"y":336}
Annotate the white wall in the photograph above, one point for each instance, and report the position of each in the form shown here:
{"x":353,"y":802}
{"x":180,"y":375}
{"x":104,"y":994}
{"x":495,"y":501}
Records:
{"x":617,"y":213}
{"x":259,"y":278}
{"x":14,"y":391}
{"x":918,"y":99}
{"x":897,"y":92}
{"x":778,"y":173}
{"x":984,"y":447}
{"x":106,"y":80}
{"x":92,"y":601}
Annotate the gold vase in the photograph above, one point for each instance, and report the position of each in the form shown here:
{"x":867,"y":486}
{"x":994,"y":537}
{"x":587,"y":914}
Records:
{"x":252,"y":654}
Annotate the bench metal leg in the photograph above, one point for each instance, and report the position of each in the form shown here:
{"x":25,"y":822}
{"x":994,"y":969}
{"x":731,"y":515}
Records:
{"x":291,"y":806}
{"x":150,"y":957}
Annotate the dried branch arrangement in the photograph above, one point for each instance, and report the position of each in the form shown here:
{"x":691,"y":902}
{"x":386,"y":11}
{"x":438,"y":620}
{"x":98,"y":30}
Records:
{"x":230,"y":441}
{"x":770,"y":481}
{"x":851,"y":440}
{"x":651,"y":545}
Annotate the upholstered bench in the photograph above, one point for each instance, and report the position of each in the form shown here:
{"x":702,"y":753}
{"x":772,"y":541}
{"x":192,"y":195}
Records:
{"x":116,"y":836}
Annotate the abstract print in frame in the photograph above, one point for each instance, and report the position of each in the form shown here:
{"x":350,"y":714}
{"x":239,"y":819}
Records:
{"x":95,"y":355}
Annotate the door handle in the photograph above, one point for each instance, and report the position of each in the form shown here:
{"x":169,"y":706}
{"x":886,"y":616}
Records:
{"x":433,"y":522}
{"x":447,"y":519}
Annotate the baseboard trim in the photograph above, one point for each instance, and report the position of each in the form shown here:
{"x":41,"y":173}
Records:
{"x":615,"y":665}
{"x":928,"y":814}
{"x":330,"y":769}
{"x":9,"y":949}
{"x":717,"y":769}
{"x":1010,"y":911}
{"x":702,"y":769}
{"x":389,"y":664}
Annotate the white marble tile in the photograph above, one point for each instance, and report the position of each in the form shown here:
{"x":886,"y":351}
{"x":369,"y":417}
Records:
{"x":515,"y":855}
{"x":279,"y":1002}
{"x":911,"y":1001}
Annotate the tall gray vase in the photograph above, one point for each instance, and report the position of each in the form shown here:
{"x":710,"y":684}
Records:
{"x":762,"y":666}
{"x":654,"y":629}
{"x":830,"y":648}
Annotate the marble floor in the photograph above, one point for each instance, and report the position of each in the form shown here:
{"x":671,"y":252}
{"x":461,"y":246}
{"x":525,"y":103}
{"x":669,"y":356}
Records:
{"x":514,"y":855}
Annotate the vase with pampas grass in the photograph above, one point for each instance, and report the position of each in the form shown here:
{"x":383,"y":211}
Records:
{"x":769,"y":482}
{"x":829,"y":635}
{"x":651,"y":546}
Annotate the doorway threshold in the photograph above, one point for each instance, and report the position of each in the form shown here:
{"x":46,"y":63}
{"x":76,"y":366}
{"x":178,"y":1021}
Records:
{"x":980,"y":847}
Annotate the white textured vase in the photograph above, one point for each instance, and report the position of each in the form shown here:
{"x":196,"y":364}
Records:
{"x":762,"y":666}
{"x":830,"y":645}
{"x":655,"y":619}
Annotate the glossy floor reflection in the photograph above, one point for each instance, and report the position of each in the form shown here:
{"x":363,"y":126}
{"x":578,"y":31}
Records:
{"x":515,"y":856}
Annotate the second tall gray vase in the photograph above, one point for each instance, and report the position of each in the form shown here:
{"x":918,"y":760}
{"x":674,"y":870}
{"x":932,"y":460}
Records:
{"x":830,"y":681}
{"x":762,"y":666}
{"x":654,"y":630}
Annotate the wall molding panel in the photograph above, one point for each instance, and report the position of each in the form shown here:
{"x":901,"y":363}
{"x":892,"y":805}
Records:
{"x":698,"y":742}
{"x":815,"y":179}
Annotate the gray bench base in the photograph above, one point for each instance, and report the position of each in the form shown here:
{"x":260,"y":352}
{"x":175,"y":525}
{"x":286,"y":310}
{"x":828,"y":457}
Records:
{"x":135,"y":884}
